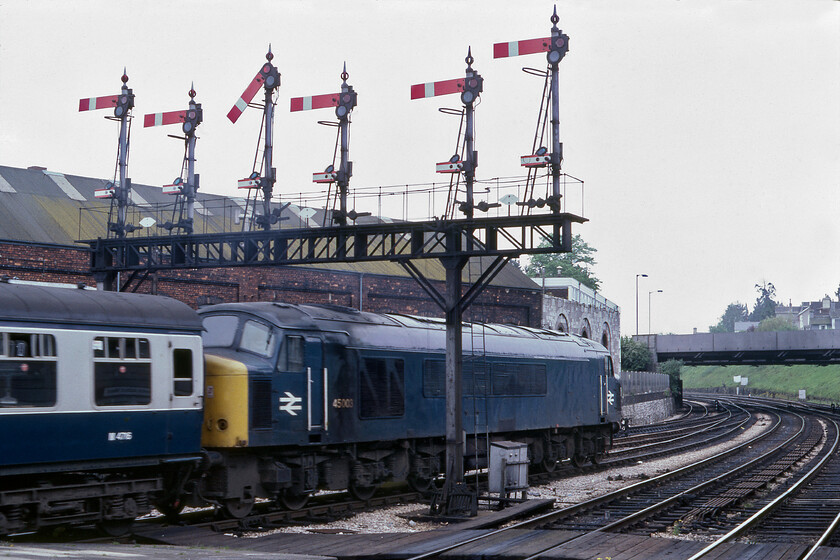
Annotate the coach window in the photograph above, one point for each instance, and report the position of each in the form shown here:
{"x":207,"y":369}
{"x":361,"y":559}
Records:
{"x":182,"y":372}
{"x":122,"y":369}
{"x":258,"y":338}
{"x":27,"y":370}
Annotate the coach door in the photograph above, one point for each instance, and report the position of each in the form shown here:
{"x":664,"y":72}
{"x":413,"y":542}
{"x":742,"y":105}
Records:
{"x":316,"y":391}
{"x":185,"y":396}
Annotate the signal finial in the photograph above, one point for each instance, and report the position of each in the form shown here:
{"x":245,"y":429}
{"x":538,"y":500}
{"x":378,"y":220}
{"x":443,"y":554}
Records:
{"x":344,"y":74}
{"x":554,"y":17}
{"x":192,"y":90}
{"x":469,"y":60}
{"x":124,"y":76}
{"x":269,"y":56}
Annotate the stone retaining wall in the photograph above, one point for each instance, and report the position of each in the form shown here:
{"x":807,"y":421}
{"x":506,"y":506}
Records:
{"x":648,"y":412}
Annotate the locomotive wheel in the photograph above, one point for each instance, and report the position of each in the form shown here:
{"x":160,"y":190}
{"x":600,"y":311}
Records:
{"x":549,"y":465}
{"x":362,"y":493}
{"x":116,"y":527}
{"x":419,"y":483}
{"x":292,"y":501}
{"x":598,"y":458}
{"x":578,"y":460}
{"x":234,"y":508}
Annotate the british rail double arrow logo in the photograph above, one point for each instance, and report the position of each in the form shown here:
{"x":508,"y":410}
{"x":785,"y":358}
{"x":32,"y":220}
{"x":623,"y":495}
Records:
{"x":290,"y":403}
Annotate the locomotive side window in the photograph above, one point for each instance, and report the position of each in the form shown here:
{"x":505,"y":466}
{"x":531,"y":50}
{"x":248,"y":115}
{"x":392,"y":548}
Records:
{"x":122,"y":370}
{"x":258,"y":338}
{"x":294,"y":353}
{"x":381,"y":388}
{"x":27,"y":370}
{"x":608,"y":368}
{"x":513,"y":379}
{"x":434,"y":378}
{"x":182,"y":372}
{"x":473,"y":378}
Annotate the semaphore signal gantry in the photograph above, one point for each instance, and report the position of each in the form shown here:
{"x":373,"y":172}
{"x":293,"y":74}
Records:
{"x":470,"y":87}
{"x":118,"y":190}
{"x":344,"y":102}
{"x":185,"y":187}
{"x":556,"y":46}
{"x":262,"y":178}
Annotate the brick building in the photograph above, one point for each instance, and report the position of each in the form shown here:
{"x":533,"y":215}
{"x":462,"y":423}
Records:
{"x":43,"y":214}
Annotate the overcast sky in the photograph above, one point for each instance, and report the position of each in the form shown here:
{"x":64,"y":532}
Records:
{"x":707,"y":133}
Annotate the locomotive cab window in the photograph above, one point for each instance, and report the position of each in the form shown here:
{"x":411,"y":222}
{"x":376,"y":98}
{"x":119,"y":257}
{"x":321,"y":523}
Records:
{"x":27,"y":370}
{"x":182,"y":372}
{"x":122,"y":369}
{"x":258,"y":338}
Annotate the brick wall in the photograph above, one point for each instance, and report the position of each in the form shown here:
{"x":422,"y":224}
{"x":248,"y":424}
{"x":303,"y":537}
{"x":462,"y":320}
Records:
{"x":45,"y":263}
{"x":378,"y":293}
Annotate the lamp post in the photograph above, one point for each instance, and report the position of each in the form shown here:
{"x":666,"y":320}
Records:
{"x":637,"y":300}
{"x":649,"y":294}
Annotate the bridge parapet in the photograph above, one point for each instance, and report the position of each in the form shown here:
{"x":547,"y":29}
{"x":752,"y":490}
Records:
{"x":754,"y":348}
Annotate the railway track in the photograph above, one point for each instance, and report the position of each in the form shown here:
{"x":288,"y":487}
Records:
{"x":771,"y":483}
{"x":776,"y":474}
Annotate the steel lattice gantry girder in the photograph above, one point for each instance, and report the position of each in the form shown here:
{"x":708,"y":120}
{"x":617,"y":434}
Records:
{"x":508,"y":236}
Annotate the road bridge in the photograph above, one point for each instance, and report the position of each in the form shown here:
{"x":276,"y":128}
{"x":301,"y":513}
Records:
{"x":819,"y":347}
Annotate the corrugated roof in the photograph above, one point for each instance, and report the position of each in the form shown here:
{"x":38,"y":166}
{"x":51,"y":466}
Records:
{"x":41,"y":206}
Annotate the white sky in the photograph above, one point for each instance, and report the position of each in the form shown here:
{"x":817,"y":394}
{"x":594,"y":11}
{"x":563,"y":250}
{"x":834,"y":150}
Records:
{"x":708,"y":133}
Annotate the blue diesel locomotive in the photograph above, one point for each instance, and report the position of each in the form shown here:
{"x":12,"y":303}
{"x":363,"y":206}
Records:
{"x":306,"y":397}
{"x":100,"y":405}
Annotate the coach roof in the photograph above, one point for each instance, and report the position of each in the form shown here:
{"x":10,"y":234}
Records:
{"x":73,"y":306}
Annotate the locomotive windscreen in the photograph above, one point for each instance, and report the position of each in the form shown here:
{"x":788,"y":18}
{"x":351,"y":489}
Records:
{"x":220,"y":330}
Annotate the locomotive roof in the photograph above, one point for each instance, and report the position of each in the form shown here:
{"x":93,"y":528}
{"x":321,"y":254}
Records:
{"x":74,"y":306}
{"x":369,"y":329}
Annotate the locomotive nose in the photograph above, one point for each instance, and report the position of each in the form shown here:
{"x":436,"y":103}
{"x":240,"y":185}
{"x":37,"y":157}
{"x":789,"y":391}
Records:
{"x":225,"y":403}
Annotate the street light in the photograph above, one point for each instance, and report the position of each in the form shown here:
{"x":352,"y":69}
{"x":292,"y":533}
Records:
{"x":649,"y":293}
{"x":637,"y":300}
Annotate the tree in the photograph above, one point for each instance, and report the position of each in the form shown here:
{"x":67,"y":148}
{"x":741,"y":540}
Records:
{"x":775,"y":324}
{"x":566,"y":265}
{"x":734,"y":312}
{"x":635,"y":356}
{"x":765,"y":305}
{"x":672,"y":369}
